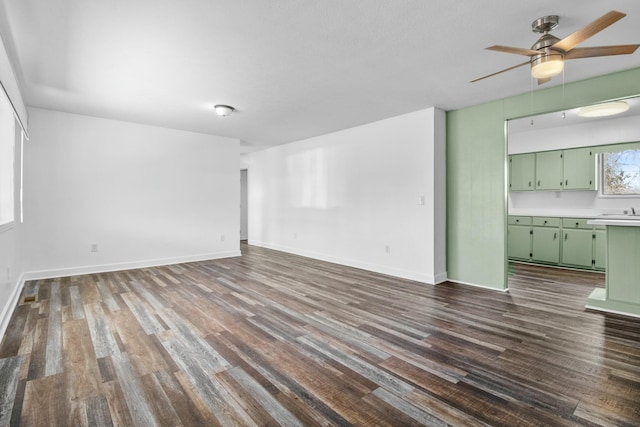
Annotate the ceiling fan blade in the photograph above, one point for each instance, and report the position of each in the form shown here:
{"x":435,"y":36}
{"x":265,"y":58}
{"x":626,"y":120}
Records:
{"x":543,"y":81}
{"x":501,"y":71}
{"x":516,"y":50}
{"x":589,"y":52}
{"x":589,"y":30}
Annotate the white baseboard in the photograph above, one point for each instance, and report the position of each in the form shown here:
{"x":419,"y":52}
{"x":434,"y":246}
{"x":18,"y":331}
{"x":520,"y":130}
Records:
{"x":376,"y":268}
{"x":10,"y":306}
{"x":103,"y":268}
{"x":475,"y":285}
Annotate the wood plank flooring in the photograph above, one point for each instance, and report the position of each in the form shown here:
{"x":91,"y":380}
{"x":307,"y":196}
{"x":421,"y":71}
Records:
{"x":275,"y":339}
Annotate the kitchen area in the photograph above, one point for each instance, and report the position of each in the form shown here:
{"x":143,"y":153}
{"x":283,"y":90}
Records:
{"x":574,"y":196}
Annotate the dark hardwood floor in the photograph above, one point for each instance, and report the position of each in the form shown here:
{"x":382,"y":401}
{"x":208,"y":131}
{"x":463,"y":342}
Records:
{"x":276,"y":339}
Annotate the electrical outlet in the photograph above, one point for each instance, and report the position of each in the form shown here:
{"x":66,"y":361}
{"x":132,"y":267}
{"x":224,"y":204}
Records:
{"x":295,"y":235}
{"x":421,"y":200}
{"x":387,"y":249}
{"x":222,"y":237}
{"x":94,"y":247}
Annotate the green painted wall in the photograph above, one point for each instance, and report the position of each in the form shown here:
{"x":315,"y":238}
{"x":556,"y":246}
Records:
{"x":476,"y":171}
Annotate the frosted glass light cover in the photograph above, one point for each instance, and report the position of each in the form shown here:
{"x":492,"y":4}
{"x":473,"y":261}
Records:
{"x":604,"y":109}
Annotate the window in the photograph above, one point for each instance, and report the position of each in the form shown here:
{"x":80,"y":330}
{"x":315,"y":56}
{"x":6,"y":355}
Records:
{"x":621,"y":173}
{"x":7,"y":159}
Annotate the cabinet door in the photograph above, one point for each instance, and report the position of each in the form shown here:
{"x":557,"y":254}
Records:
{"x":545,"y":244}
{"x":600,"y":249}
{"x":522,"y":172}
{"x":580,"y":169}
{"x":519,"y":242}
{"x":549,"y":170}
{"x":577,"y":247}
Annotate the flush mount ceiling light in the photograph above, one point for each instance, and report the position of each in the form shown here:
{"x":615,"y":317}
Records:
{"x":223,"y":110}
{"x":604,"y":109}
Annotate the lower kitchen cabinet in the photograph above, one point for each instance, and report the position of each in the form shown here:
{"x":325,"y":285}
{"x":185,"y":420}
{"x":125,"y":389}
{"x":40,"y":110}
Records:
{"x":519,"y":242}
{"x":600,"y":249}
{"x":545,"y":245}
{"x":545,"y":240}
{"x":567,"y":242}
{"x":577,"y":248}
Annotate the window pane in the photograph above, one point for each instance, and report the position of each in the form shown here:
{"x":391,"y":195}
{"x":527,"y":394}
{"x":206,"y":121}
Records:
{"x":621,"y":172}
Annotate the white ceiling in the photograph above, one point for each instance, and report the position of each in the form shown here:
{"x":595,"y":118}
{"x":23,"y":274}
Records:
{"x":293,"y":68}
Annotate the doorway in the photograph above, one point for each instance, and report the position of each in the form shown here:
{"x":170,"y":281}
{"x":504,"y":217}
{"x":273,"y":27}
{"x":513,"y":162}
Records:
{"x":244,"y":206}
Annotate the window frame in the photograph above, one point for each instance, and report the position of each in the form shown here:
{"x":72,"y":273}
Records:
{"x":601,"y":178}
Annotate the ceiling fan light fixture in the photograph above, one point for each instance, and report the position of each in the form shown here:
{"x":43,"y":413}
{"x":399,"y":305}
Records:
{"x":223,"y":110}
{"x":604,"y":109}
{"x":547,"y":65}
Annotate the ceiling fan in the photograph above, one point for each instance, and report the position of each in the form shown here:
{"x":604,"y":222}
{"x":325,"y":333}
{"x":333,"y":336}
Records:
{"x":547,"y":55}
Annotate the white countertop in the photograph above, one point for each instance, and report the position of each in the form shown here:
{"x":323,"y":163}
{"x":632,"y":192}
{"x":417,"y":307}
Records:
{"x":617,"y":222}
{"x":555,"y":213}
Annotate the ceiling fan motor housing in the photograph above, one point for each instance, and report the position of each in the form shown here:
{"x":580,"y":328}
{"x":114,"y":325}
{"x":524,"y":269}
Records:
{"x":548,"y":55}
{"x":545,"y":24}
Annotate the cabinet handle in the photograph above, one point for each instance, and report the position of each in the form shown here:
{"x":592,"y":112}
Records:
{"x":577,"y":224}
{"x":545,"y":221}
{"x":555,"y":236}
{"x":565,"y":236}
{"x":529,"y":183}
{"x":538,"y":183}
{"x":566,"y":182}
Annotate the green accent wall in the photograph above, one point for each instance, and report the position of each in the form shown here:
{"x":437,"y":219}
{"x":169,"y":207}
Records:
{"x":477,"y":171}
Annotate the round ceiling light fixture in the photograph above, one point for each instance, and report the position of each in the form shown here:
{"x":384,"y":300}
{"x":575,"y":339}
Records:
{"x":223,"y":110}
{"x":604,"y":109}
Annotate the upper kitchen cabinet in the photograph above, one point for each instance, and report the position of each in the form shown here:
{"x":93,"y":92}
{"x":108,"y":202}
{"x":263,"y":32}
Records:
{"x":569,"y":170}
{"x":548,"y":168}
{"x":580,"y":170}
{"x":522,"y":173}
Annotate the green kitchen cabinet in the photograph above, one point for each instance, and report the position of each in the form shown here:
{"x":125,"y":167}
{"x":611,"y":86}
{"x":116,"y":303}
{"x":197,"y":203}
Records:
{"x":600,"y":249}
{"x":549,"y":174}
{"x":545,"y":240}
{"x":522,"y":172}
{"x":519,"y":242}
{"x":579,"y":171}
{"x":577,"y":247}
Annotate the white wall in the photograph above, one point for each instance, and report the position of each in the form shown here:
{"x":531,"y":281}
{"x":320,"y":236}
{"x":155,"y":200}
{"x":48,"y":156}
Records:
{"x":145,"y":195}
{"x":11,"y":254}
{"x":587,"y":134}
{"x":347,"y":196}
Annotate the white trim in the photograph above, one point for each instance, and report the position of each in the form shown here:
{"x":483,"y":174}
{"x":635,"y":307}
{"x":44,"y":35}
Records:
{"x":440,"y":278}
{"x":608,"y":310}
{"x":10,"y":306}
{"x":475,"y":285}
{"x":103,"y":268}
{"x":382,"y":269}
